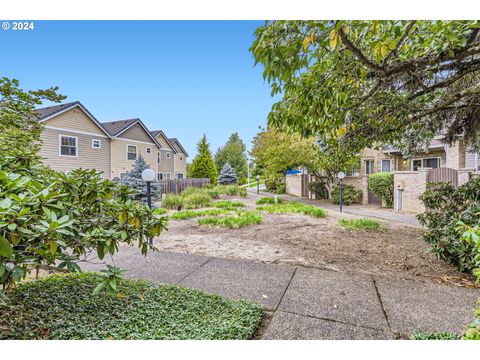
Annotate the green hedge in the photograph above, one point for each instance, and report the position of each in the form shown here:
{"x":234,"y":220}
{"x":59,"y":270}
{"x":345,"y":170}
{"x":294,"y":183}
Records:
{"x":382,"y":185}
{"x":350,"y":195}
{"x":319,"y":188}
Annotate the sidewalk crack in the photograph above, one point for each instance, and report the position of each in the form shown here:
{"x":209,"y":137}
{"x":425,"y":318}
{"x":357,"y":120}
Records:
{"x":381,"y":304}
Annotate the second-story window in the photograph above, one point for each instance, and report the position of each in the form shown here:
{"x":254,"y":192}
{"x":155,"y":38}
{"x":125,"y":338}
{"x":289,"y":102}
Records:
{"x":159,"y":157}
{"x":149,"y":150}
{"x":167,"y":155}
{"x":96,"y":144}
{"x":386,"y":165}
{"x":181,"y":157}
{"x":131,"y":152}
{"x":68,"y":145}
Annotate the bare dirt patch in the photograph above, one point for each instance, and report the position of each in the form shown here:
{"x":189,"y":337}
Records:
{"x":397,"y":250}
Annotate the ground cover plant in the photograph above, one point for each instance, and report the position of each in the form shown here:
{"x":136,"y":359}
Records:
{"x":436,"y":336}
{"x":63,"y":307}
{"x":241,"y":219}
{"x":293,"y":207}
{"x":268,"y":200}
{"x":360,"y":224}
{"x":227,"y":204}
{"x":189,"y":214}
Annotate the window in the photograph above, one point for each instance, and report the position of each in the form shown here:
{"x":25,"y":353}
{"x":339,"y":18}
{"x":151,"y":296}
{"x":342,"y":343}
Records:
{"x":180,"y":176}
{"x":425,"y":163}
{"x":96,"y":144}
{"x":122,"y":175}
{"x":386,"y":165}
{"x":167,"y":175}
{"x":149,"y":150}
{"x":131,"y":152}
{"x":167,"y":155}
{"x":160,"y":176}
{"x":352,"y":172}
{"x":369,"y":167}
{"x":159,"y":157}
{"x":68,"y":146}
{"x":181,"y":157}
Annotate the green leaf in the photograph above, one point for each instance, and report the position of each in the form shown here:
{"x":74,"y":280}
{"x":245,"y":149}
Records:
{"x":6,"y":250}
{"x":98,"y":288}
{"x":5,"y":203}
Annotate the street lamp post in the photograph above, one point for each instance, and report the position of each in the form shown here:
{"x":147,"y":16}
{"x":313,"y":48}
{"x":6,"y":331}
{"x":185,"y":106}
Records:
{"x":148,"y":175}
{"x":258,"y":184}
{"x":341,"y":175}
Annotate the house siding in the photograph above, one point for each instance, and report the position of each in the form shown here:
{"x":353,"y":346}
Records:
{"x":167,"y":165}
{"x":87,"y":157}
{"x":119,"y":162}
{"x":136,"y":132}
{"x":75,"y":119}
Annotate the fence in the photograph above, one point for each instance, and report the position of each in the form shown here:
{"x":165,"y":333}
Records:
{"x":176,"y":186}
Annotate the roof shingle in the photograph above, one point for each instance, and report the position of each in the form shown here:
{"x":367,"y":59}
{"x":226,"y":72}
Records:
{"x":115,"y":127}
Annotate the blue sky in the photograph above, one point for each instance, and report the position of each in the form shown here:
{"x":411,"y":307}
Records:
{"x":184,"y":77}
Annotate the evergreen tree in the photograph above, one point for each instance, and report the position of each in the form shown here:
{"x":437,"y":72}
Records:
{"x":227,"y":175}
{"x":134,"y":180}
{"x":203,"y":165}
{"x":233,"y":153}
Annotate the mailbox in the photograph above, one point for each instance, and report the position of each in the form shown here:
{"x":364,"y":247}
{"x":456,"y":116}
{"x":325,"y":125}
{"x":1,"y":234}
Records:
{"x":401,"y":185}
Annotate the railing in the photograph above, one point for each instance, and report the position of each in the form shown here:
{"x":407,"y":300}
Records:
{"x":176,"y":186}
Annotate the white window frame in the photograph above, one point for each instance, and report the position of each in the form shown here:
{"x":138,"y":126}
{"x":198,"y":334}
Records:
{"x":372,"y":168}
{"x":99,"y":144}
{"x":167,"y":155}
{"x":381,"y":165}
{"x":149,"y":150}
{"x":60,"y":145}
{"x":136,"y":152}
{"x":159,"y":157}
{"x":180,"y":174}
{"x":168,"y":175}
{"x":423,"y":159}
{"x":181,"y":157}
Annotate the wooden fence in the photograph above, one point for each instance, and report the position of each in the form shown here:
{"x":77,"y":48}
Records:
{"x":447,"y":175}
{"x":176,"y":186}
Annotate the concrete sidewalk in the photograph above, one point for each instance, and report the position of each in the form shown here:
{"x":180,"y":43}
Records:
{"x":356,"y":209}
{"x":309,"y":303}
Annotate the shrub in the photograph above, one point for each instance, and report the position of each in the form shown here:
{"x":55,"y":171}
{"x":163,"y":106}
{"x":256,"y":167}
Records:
{"x":197,"y":200}
{"x":360,"y":224}
{"x":172,"y":201}
{"x":446,"y":209}
{"x":242,"y":219}
{"x":319,"y":188}
{"x":226,"y":204}
{"x":213,"y":193}
{"x":436,"y":336}
{"x":134,"y":180}
{"x":188,"y":214}
{"x":227,"y":175}
{"x":382,"y":185}
{"x":268,"y":200}
{"x":64,"y":308}
{"x":293,"y":207}
{"x":350,"y":195}
{"x":160,"y":211}
{"x":276,"y":185}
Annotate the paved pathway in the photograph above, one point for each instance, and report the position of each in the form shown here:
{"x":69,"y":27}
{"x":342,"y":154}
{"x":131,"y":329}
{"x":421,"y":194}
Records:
{"x":356,"y":209}
{"x":308,"y":303}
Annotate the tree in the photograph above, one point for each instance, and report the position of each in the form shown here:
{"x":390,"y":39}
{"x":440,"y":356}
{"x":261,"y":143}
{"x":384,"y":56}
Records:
{"x":361,"y":83}
{"x":134,"y":180}
{"x":49,"y":219}
{"x":233,"y":153}
{"x":227,"y":175}
{"x":203,"y":165}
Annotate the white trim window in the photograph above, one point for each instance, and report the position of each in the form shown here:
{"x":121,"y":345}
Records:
{"x":433,"y":162}
{"x":96,"y":144}
{"x":168,"y":176}
{"x":387,"y":165}
{"x":179,"y":175}
{"x":181,"y":157}
{"x":131,"y":152}
{"x":68,"y":146}
{"x":369,"y":166}
{"x":159,"y":157}
{"x":160,"y":176}
{"x":167,"y":155}
{"x":149,"y":150}
{"x":352,"y":172}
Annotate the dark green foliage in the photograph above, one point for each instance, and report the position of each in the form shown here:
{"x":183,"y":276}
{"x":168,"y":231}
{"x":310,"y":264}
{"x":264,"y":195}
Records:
{"x":134,"y":180}
{"x":319,"y":188}
{"x":241,"y":219}
{"x":268,"y":200}
{"x":350,"y":195}
{"x":436,"y":336}
{"x":227,"y":175}
{"x":382,"y":185}
{"x":276,"y":185}
{"x":445,"y":207}
{"x":64,"y":308}
{"x":233,"y":153}
{"x":293,"y":207}
{"x":203,"y":165}
{"x":360,"y":224}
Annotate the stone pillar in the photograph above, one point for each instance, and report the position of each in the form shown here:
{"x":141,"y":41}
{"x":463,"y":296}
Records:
{"x":464,"y":176}
{"x":365,"y":189}
{"x":452,"y":158}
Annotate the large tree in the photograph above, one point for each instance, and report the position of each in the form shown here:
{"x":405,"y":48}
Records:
{"x":203,"y":165}
{"x":233,"y":153}
{"x":361,"y":83}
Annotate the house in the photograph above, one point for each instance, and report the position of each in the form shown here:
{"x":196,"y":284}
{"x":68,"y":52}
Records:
{"x":73,"y":138}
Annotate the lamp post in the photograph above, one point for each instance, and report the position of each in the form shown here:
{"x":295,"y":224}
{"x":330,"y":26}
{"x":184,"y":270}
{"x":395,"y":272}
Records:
{"x":258,"y":184}
{"x":341,"y":175}
{"x":148,"y":175}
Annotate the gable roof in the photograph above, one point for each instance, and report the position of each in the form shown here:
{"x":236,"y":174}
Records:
{"x":155,"y":134}
{"x":175,"y":140}
{"x":47,"y":113}
{"x":118,"y":127}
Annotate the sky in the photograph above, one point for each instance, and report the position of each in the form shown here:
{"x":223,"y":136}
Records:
{"x":186,"y":78}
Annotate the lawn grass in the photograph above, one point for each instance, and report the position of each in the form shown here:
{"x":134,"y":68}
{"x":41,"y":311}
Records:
{"x":227,"y":204}
{"x":188,"y":214}
{"x":293,"y":207}
{"x":241,"y":219}
{"x":268,"y":200}
{"x":160,"y":211}
{"x":360,"y":224}
{"x":64,"y":308}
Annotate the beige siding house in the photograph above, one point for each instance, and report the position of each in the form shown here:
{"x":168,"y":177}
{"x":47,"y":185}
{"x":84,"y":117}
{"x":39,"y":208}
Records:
{"x":73,"y":138}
